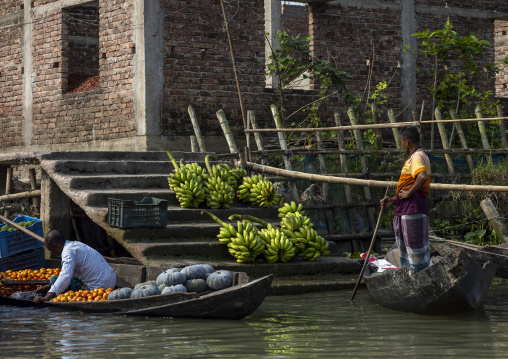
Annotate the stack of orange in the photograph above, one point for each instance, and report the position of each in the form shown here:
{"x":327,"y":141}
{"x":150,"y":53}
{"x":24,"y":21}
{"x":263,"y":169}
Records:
{"x":94,"y":295}
{"x":8,"y":290}
{"x":29,"y":274}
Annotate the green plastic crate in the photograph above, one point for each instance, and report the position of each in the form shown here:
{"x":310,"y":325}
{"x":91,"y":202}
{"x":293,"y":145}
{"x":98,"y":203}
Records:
{"x":149,"y":212}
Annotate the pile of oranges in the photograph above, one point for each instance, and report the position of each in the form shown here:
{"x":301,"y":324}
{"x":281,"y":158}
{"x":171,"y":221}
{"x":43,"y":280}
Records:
{"x":6,"y":291}
{"x":94,"y":295}
{"x":29,"y":274}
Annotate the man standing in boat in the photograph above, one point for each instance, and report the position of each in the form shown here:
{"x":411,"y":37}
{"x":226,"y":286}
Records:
{"x":411,"y":217}
{"x":82,"y":268}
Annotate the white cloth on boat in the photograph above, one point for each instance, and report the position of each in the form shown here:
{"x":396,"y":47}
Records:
{"x":85,"y":263}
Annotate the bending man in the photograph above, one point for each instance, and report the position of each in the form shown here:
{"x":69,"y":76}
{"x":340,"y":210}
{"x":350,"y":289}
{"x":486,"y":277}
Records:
{"x":411,"y":217}
{"x":82,"y":268}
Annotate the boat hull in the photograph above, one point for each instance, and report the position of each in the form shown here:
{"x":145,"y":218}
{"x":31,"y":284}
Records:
{"x":455,"y":284}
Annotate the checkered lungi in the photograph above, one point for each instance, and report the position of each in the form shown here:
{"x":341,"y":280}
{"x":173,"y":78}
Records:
{"x":412,"y":239}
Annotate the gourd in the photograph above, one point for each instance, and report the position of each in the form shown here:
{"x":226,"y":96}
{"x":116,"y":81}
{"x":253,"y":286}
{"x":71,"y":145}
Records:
{"x":220,"y":279}
{"x":208,"y":268}
{"x":195,"y":285}
{"x":122,"y":293}
{"x":145,"y":291}
{"x":194,"y":272}
{"x":174,"y":289}
{"x":170,"y":277}
{"x":144,"y":283}
{"x":161,"y":287}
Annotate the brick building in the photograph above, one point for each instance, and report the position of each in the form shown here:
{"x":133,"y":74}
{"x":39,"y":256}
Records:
{"x":119,"y":74}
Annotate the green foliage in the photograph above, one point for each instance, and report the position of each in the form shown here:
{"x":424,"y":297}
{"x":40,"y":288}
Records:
{"x":479,"y":236}
{"x":293,"y":60}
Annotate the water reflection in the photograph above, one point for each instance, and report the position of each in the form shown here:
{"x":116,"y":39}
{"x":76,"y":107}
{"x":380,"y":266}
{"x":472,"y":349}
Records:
{"x":311,"y":326}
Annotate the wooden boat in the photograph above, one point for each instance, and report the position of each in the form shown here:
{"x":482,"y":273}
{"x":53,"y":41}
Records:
{"x":495,"y":254}
{"x":235,"y":302}
{"x":453,"y":284}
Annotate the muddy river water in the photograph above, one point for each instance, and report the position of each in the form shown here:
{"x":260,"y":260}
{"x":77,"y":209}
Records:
{"x":321,"y":325}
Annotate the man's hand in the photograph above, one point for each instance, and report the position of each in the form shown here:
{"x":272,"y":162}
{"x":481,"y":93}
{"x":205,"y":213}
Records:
{"x":48,"y":297}
{"x":43,"y":289}
{"x":403,"y":194}
{"x":387,"y":201}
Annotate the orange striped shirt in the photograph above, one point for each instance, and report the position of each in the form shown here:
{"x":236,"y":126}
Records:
{"x":416,"y":163}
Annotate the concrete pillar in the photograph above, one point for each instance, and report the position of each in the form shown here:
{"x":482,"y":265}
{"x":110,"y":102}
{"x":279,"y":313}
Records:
{"x":273,"y":23}
{"x":408,"y":27}
{"x":55,"y":207}
{"x":148,"y":64}
{"x":27,"y":73}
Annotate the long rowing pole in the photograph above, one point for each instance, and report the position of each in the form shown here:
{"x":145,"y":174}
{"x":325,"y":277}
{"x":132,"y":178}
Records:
{"x":370,"y":248}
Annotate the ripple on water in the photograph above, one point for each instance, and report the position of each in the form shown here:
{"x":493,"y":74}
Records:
{"x":308,"y":326}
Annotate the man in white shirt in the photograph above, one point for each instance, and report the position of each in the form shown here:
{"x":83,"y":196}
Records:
{"x":80,"y":264}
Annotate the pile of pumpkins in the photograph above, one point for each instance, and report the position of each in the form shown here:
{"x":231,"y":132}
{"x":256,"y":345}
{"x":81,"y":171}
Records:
{"x":194,"y":278}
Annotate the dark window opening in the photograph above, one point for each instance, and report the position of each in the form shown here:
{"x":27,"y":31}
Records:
{"x":82,"y":23}
{"x":501,"y":53}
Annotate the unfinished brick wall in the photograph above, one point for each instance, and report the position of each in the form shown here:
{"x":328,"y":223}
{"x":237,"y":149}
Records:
{"x":295,"y":19}
{"x":11,"y":85}
{"x":481,"y":5}
{"x":198,"y":70}
{"x":103,"y":114}
{"x":10,"y":6}
{"x":501,"y":52}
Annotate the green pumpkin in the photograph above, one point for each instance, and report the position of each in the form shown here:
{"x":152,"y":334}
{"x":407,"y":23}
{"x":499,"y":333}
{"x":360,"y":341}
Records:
{"x":174,"y":289}
{"x":144,"y":283}
{"x":170,"y":277}
{"x":195,"y":285}
{"x":195,"y":271}
{"x":220,"y":279}
{"x":122,"y":293}
{"x":145,"y":291}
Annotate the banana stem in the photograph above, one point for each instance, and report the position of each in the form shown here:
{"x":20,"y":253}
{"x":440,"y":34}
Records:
{"x":229,"y":227}
{"x":207,"y":162}
{"x":173,"y":160}
{"x":250,"y":218}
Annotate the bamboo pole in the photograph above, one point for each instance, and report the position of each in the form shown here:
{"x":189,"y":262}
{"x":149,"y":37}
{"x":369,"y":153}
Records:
{"x":197,"y":130}
{"x":33,"y":186}
{"x":379,"y":137}
{"x":326,"y":186}
{"x":226,"y":24}
{"x":386,"y":151}
{"x":371,"y":183}
{"x":502,"y":128}
{"x":483,"y":133}
{"x":343,"y":164}
{"x":497,"y":223}
{"x":224,"y":124}
{"x":363,"y":163}
{"x":372,"y":126}
{"x":463,"y":142}
{"x":194,"y":144}
{"x":284,"y":147}
{"x":391,"y":117}
{"x":21,"y":195}
{"x":257,"y":136}
{"x":444,"y":140}
{"x":8,"y":188}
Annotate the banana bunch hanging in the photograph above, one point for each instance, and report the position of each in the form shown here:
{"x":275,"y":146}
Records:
{"x":290,"y":208}
{"x":218,"y":189}
{"x":277,"y":245}
{"x":187,"y":183}
{"x":299,"y":229}
{"x":244,"y":242}
{"x":259,"y":191}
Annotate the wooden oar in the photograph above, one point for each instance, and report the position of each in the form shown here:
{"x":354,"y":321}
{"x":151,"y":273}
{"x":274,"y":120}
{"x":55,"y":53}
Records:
{"x":370,"y":248}
{"x":22,"y":229}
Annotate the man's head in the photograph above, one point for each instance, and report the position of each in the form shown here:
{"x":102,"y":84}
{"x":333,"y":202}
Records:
{"x":55,"y":242}
{"x":410,"y":138}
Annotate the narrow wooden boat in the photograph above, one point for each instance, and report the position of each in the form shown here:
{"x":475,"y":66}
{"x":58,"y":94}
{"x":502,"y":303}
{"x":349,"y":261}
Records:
{"x":235,"y":302}
{"x":495,"y":254}
{"x":453,"y":284}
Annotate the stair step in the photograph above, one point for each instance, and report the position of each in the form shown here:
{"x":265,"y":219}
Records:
{"x":99,"y":198}
{"x":152,"y":181}
{"x":178,"y":214}
{"x":127,"y":156}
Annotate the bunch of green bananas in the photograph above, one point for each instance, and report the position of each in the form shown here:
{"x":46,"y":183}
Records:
{"x":187,"y":183}
{"x":246,"y":245}
{"x":309,"y":244}
{"x":227,"y":231}
{"x":277,"y":245}
{"x":219,"y":192}
{"x":290,"y":208}
{"x":259,"y":191}
{"x":237,"y":175}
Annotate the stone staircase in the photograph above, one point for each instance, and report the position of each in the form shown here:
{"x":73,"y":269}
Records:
{"x":90,"y":178}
